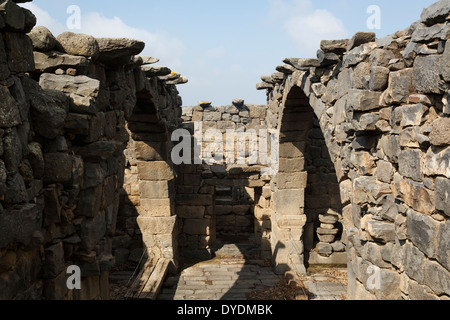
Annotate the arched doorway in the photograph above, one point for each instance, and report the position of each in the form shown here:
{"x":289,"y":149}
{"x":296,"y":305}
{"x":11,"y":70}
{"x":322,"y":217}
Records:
{"x":306,"y":222}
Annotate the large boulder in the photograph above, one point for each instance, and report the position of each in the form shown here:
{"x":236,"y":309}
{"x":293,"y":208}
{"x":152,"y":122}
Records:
{"x":118,"y":51}
{"x":78,"y":44}
{"x":43,"y":40}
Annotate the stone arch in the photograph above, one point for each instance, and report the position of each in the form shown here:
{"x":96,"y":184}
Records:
{"x":150,"y":179}
{"x":307,"y":205}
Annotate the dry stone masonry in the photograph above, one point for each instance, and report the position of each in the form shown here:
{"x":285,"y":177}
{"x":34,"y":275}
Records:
{"x":88,"y":177}
{"x":68,"y":108}
{"x":383,"y":109}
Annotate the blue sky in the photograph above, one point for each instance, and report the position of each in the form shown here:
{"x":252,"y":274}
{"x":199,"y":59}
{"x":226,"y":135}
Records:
{"x":223,"y":47}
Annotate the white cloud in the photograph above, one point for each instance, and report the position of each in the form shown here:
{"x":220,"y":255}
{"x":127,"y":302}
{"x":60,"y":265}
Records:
{"x":164,"y":47}
{"x":305,"y":25}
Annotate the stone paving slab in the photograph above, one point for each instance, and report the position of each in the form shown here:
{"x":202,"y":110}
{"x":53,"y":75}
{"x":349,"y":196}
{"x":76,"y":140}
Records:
{"x":218,"y":279}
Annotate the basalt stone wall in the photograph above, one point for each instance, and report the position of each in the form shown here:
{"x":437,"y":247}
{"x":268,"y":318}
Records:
{"x":216,"y":200}
{"x":64,"y":110}
{"x":383,"y":109}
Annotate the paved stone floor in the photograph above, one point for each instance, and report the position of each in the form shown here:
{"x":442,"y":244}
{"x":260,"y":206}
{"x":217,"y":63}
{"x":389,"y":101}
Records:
{"x":328,"y":285}
{"x":233,"y":274}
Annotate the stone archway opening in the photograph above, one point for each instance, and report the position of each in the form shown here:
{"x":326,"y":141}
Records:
{"x":307,"y":213}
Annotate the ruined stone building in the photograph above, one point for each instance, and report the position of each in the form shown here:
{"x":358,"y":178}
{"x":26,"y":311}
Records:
{"x":88,"y":130}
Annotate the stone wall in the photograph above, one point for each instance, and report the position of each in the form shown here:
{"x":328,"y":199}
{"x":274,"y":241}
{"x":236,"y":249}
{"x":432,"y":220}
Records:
{"x":64,"y":108}
{"x":219,"y":199}
{"x":382,"y":106}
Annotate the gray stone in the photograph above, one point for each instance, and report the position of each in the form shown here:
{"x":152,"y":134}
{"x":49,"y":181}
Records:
{"x":436,"y":13}
{"x":334,"y":46}
{"x":53,"y":60}
{"x":156,"y":71}
{"x":426,"y":34}
{"x":78,"y":44}
{"x":443,"y":247}
{"x":118,"y":51}
{"x":16,"y":191}
{"x":364,"y":100}
{"x":13,"y":16}
{"x":19,"y":225}
{"x":410,"y":164}
{"x":413,"y":262}
{"x":327,"y":58}
{"x":380,"y":230}
{"x":49,"y":109}
{"x":412,"y":115}
{"x":400,"y":86}
{"x":423,"y":232}
{"x":442,"y":191}
{"x":19,"y":50}
{"x":381,"y":58}
{"x":445,"y":62}
{"x":9,"y":109}
{"x":324,"y":249}
{"x":384,"y":171}
{"x":82,"y":90}
{"x":437,"y":162}
{"x":440,"y":132}
{"x":302,"y":64}
{"x":43,"y":40}
{"x":426,"y":74}
{"x":436,"y":277}
{"x":379,"y":77}
{"x":390,"y":147}
{"x":361,"y":38}
{"x":58,"y":168}
{"x":12,"y":151}
{"x":287,"y":69}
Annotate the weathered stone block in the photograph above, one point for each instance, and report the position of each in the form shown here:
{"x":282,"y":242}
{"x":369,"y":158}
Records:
{"x":154,"y":189}
{"x":436,"y":162}
{"x":58,"y":168}
{"x":155,"y":171}
{"x":436,"y":277}
{"x":290,"y":202}
{"x":92,"y":231}
{"x":19,"y":50}
{"x":415,"y":195}
{"x":380,"y":230}
{"x":379,"y":77}
{"x":423,"y":232}
{"x":364,"y":100}
{"x":399,"y":88}
{"x":410,"y":164}
{"x":292,"y":180}
{"x":442,"y":192}
{"x":426,"y":74}
{"x":440,"y":132}
{"x":156,"y":225}
{"x":443,"y":245}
